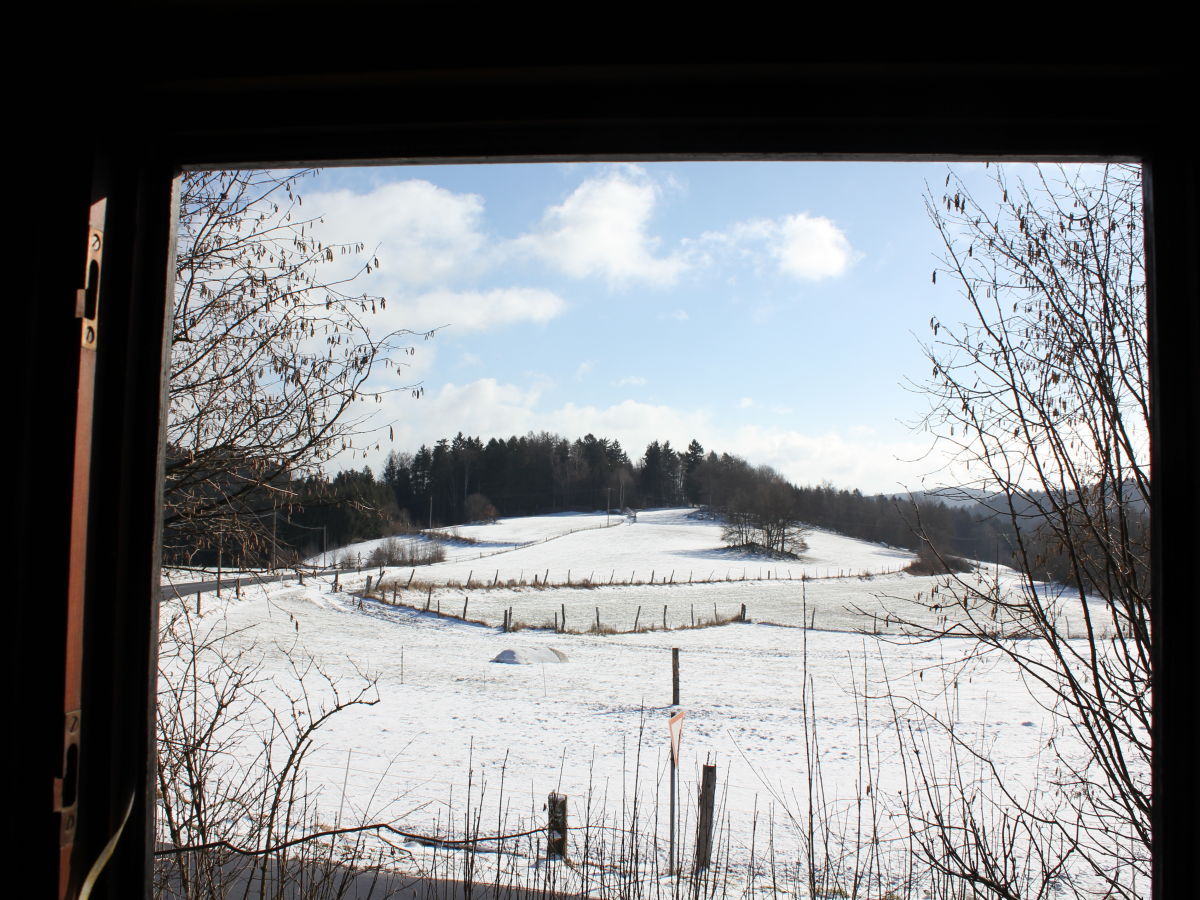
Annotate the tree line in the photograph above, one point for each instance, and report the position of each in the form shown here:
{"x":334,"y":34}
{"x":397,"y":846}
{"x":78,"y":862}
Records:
{"x":466,"y":479}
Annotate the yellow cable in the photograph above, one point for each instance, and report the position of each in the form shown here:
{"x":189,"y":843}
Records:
{"x":105,"y":854}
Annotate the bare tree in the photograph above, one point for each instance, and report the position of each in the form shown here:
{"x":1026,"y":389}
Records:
{"x":1042,"y":397}
{"x":269,"y":359}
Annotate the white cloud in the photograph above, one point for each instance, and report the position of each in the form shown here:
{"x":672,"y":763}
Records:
{"x":601,"y":230}
{"x":630,"y":381}
{"x":584,"y":368}
{"x":803,"y":246}
{"x":679,"y":315}
{"x":633,"y":423}
{"x":811,"y":247}
{"x":746,"y":402}
{"x":467,"y":311}
{"x":422,"y":234}
{"x":482,"y":407}
{"x":846,"y":459}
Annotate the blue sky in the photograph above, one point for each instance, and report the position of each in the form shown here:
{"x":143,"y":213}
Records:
{"x":770,"y":309}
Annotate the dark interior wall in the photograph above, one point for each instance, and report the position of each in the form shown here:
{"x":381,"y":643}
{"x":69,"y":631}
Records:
{"x":115,"y":110}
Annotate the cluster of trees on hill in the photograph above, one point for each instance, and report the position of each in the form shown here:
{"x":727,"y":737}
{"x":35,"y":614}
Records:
{"x":538,"y":473}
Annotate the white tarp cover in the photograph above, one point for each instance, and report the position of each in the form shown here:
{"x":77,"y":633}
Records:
{"x":530,"y":656}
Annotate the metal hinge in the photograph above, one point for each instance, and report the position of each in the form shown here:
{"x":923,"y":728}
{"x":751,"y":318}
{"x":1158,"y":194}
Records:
{"x":66,"y":786}
{"x":87,"y":298}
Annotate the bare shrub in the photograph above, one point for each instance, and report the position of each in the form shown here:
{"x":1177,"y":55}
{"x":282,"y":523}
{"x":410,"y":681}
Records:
{"x":234,"y":809}
{"x":930,"y":562}
{"x":394,"y":552}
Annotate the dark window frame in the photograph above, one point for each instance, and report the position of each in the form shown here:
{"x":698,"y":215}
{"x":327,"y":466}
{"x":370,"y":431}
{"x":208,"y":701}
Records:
{"x":485,"y":110}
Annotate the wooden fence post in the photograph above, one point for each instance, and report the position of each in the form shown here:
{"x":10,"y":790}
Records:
{"x":674,"y":676}
{"x":369,"y":582}
{"x":704,"y":820}
{"x":556,"y":830}
{"x":636,"y":617}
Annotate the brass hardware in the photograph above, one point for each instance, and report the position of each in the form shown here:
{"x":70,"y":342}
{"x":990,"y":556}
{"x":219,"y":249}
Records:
{"x":66,"y":785}
{"x":87,"y":298}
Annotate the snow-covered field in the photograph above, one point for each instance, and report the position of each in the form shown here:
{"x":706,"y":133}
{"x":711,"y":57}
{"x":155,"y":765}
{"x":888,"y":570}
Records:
{"x":662,"y":541}
{"x":671,"y":565}
{"x":769,"y":705}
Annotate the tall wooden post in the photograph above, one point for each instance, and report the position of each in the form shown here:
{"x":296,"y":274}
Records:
{"x":674,"y":676}
{"x":704,"y":820}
